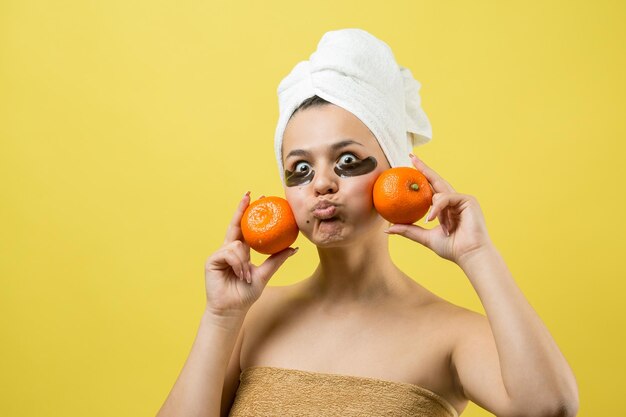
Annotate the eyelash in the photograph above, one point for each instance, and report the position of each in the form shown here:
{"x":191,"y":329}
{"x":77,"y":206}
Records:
{"x":295,"y":164}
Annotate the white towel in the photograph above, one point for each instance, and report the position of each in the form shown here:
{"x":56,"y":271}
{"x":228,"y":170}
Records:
{"x":354,"y":70}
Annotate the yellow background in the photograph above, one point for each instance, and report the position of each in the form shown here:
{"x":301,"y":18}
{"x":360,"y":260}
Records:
{"x":130,"y":130}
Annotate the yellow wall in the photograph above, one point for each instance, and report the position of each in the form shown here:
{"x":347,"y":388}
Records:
{"x":129,"y":131}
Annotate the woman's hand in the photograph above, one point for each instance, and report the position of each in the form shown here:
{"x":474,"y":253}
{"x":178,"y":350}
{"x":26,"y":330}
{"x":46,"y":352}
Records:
{"x":232,"y":282}
{"x":462,"y":230}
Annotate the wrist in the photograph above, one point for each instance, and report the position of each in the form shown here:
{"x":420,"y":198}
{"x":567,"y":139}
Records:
{"x":230,"y":320}
{"x":477,"y":255}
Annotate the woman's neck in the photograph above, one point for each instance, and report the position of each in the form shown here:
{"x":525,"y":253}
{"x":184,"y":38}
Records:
{"x":358,"y":273}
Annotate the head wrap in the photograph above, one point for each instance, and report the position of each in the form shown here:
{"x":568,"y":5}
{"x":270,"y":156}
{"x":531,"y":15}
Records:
{"x":357,"y":71}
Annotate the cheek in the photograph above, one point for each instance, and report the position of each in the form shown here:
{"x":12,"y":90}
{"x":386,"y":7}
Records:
{"x":361,"y":191}
{"x":296,"y":198}
{"x":367,"y":187}
{"x":368,"y":183}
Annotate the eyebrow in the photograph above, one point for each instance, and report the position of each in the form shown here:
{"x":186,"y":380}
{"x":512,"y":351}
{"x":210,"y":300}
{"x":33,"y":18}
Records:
{"x":333,"y":147}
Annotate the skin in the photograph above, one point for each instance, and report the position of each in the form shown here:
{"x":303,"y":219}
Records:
{"x":370,"y":319}
{"x":357,"y":234}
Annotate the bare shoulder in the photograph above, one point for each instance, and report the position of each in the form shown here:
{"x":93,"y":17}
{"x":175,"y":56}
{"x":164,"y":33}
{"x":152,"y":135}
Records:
{"x":463,"y":319}
{"x":452,"y":321}
{"x":468,"y":326}
{"x":455,"y":312}
{"x":457,"y":317}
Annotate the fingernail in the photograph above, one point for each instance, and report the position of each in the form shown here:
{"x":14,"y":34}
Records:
{"x":294,"y":251}
{"x":445,"y":229}
{"x":412,"y":156}
{"x":428,"y":215}
{"x":246,"y":194}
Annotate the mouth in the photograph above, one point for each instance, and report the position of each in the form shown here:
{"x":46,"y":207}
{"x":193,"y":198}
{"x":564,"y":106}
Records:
{"x":325,"y":214}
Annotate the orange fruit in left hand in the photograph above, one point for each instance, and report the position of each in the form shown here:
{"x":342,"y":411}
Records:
{"x":402,"y":195}
{"x":268,"y":225}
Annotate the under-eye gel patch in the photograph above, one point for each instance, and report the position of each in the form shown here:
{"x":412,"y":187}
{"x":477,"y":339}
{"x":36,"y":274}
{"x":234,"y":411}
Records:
{"x":358,"y":167}
{"x":293,"y":178}
{"x":351,"y":168}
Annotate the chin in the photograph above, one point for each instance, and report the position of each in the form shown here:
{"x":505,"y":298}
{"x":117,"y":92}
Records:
{"x":335,"y":235}
{"x":325,"y":234}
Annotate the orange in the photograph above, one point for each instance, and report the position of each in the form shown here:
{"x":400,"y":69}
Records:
{"x":402,"y":195}
{"x":268,"y":225}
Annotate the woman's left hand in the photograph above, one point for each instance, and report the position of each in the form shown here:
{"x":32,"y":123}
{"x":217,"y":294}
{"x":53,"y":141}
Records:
{"x":462,"y":230}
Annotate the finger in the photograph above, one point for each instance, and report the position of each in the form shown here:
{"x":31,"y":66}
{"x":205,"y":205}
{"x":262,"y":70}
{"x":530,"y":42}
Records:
{"x":269,"y":267}
{"x":438,"y":184}
{"x":239,"y":265}
{"x":444,"y":221}
{"x":440,"y":202}
{"x":234,"y":228}
{"x":448,"y":221}
{"x":242,"y":250}
{"x":413,"y":232}
{"x":227,"y":259}
{"x":236,"y":263}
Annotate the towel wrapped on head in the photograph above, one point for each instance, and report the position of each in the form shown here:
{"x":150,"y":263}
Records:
{"x":354,"y":70}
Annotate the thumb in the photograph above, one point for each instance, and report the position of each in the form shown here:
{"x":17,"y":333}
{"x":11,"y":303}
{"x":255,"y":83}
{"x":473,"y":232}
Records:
{"x":411,"y":231}
{"x":269,"y":267}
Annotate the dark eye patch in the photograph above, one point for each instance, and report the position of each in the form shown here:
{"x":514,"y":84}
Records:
{"x":351,"y":169}
{"x":293,"y":178}
{"x":358,"y":167}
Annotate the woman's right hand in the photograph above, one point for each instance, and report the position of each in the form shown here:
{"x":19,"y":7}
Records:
{"x":232,"y":282}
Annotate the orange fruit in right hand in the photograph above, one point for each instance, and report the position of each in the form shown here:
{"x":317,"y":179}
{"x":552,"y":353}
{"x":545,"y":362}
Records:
{"x":402,"y":195}
{"x":268,"y":225}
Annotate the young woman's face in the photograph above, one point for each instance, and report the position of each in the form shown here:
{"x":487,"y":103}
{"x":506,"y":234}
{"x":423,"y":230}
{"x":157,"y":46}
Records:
{"x":329,"y":155}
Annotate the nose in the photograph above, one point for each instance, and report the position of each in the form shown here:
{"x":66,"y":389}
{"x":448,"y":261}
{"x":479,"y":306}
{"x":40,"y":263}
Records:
{"x":325,"y":181}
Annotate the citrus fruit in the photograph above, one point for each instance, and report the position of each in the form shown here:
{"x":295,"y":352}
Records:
{"x":268,"y":225}
{"x":402,"y":195}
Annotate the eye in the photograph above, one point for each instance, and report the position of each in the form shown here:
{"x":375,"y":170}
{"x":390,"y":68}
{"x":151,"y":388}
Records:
{"x":348,"y":159}
{"x":301,"y":167}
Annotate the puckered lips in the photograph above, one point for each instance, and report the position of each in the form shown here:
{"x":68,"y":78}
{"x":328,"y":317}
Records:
{"x":324,"y":210}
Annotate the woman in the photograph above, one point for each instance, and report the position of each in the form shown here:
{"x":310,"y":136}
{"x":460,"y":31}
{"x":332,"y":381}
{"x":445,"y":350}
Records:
{"x":359,"y":336}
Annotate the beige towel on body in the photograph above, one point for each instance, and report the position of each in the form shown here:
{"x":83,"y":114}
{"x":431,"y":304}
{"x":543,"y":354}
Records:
{"x":268,"y":391}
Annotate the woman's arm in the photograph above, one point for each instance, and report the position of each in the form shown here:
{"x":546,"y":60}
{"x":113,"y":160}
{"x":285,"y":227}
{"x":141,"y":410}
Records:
{"x":511,"y":364}
{"x":233,"y":284}
{"x":506,"y":362}
{"x":198,"y":389}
